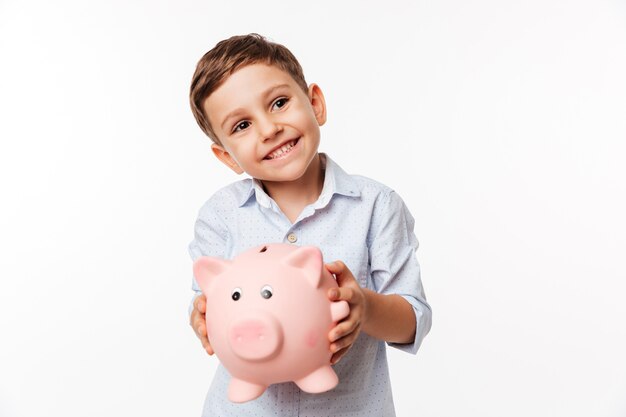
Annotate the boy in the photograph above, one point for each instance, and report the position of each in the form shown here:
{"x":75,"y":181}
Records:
{"x":250,"y":97}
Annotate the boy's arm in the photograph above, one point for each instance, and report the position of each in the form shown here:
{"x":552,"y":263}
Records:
{"x":395,"y":271}
{"x":388,"y":317}
{"x":395,"y":310}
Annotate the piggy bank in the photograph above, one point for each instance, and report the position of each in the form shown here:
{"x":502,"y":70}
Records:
{"x":268,"y":317}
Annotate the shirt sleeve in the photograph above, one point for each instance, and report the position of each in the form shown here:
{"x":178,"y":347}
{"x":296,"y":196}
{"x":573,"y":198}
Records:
{"x":210,"y":239}
{"x":394,"y":266}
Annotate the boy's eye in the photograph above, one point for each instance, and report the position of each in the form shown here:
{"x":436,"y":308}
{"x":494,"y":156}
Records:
{"x":241,"y":126}
{"x":280,"y":102}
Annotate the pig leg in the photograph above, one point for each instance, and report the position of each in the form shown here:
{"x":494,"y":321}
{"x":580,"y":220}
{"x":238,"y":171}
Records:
{"x":320,"y":380}
{"x":240,"y":391}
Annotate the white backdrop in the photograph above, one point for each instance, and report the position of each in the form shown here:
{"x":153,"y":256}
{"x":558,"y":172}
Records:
{"x":502,"y":124}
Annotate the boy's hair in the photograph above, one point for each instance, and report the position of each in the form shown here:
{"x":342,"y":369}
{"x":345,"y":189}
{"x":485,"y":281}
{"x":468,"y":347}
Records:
{"x":227,"y":57}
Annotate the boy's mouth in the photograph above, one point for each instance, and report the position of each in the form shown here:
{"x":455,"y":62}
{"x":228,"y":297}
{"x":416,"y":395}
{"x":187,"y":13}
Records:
{"x":282,"y":150}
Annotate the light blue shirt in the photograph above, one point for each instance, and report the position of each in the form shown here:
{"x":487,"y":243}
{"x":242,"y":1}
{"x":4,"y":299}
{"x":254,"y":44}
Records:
{"x":356,"y":220}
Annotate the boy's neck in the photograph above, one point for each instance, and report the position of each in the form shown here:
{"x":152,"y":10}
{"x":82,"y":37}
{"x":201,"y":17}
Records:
{"x":293,"y":196}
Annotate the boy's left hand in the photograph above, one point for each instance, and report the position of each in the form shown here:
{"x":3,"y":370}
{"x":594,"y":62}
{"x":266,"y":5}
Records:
{"x":343,"y":335}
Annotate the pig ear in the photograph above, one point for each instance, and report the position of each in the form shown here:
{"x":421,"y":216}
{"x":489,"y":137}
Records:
{"x":309,"y":260}
{"x":205,"y":268}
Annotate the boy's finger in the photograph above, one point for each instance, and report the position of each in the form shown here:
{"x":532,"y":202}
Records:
{"x":207,"y":346}
{"x":333,"y":294}
{"x":345,"y":293}
{"x":200,"y":303}
{"x":195,"y":318}
{"x":343,"y":275}
{"x":337,"y":356}
{"x":201,"y":329}
{"x":343,"y":329}
{"x":344,"y":342}
{"x":346,"y":278}
{"x":336,"y":267}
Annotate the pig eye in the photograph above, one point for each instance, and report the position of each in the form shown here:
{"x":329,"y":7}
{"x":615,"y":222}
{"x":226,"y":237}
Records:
{"x":236,"y":294}
{"x":266,"y":292}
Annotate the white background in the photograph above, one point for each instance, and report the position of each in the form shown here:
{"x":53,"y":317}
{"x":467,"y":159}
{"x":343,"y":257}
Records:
{"x":501,"y":124}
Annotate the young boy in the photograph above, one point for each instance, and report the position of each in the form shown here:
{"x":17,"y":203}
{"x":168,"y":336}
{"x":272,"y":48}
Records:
{"x":250,"y":97}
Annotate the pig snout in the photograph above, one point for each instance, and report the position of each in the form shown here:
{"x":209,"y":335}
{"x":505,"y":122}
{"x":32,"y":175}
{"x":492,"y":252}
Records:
{"x":257,"y":338}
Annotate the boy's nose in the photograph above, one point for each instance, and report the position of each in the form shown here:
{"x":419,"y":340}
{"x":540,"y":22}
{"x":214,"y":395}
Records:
{"x":269,"y":128}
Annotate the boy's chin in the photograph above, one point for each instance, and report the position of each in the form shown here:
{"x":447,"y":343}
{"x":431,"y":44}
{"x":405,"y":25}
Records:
{"x":281,"y":179}
{"x":284,"y":177}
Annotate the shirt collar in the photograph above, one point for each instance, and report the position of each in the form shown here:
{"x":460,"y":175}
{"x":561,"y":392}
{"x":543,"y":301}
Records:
{"x":336,"y":181}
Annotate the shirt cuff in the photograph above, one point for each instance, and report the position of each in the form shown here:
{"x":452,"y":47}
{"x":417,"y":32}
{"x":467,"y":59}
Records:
{"x":423,"y":321}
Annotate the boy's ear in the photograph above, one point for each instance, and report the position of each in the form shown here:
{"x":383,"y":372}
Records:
{"x":223,"y":155}
{"x":318,"y":103}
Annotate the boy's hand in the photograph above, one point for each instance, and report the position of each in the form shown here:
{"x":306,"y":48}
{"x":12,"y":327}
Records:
{"x":198,"y":323}
{"x":343,"y":335}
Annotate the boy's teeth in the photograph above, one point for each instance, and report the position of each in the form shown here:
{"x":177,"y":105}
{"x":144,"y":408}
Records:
{"x":282,"y":150}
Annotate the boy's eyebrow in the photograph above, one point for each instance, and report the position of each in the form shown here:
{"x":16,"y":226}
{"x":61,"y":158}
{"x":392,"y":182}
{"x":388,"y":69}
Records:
{"x":234,"y":113}
{"x":270,"y":90}
{"x":239,"y":111}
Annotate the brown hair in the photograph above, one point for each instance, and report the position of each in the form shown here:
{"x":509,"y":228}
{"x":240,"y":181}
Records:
{"x":227,"y":57}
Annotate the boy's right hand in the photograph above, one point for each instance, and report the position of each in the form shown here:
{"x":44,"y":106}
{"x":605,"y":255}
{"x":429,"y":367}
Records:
{"x":198,"y":322}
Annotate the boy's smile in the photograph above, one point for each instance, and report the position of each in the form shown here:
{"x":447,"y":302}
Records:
{"x":268,"y":126}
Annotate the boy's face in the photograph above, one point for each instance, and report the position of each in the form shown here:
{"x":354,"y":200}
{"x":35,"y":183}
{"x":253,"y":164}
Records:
{"x":268,"y":126}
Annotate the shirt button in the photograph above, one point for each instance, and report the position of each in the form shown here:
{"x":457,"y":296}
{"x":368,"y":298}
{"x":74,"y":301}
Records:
{"x":292,"y":238}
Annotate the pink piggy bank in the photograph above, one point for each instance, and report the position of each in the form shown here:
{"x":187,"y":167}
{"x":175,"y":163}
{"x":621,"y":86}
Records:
{"x":268,"y":318}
